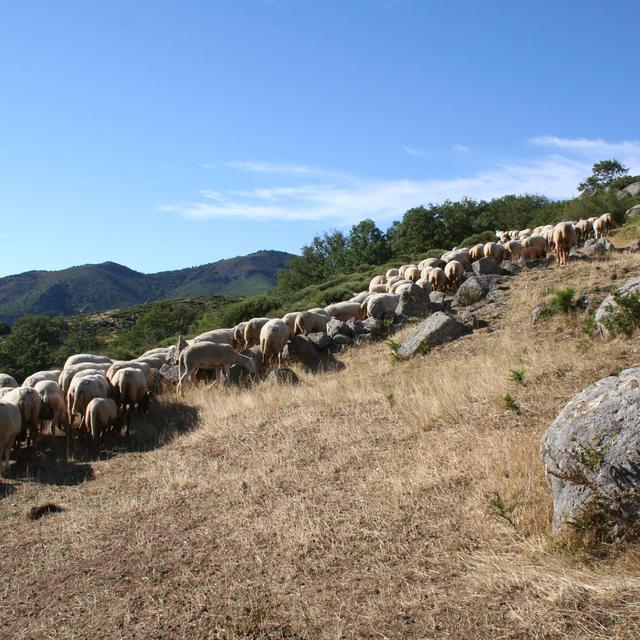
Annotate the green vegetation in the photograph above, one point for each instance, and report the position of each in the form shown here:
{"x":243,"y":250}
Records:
{"x":517,"y":375}
{"x":625,"y":316}
{"x":561,"y":302}
{"x":511,"y":403}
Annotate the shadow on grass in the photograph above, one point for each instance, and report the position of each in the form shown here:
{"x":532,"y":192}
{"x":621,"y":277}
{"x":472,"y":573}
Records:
{"x":47,"y":463}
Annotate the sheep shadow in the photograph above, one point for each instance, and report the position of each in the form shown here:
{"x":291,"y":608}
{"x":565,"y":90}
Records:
{"x":47,"y":462}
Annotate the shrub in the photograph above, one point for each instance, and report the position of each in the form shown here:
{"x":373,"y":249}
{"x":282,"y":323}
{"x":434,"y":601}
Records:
{"x":625,"y":316}
{"x":477,"y":238}
{"x":561,"y":302}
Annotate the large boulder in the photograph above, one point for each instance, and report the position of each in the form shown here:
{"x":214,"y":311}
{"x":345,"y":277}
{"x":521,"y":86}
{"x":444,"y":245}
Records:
{"x":632,"y":190}
{"x":169,"y":373}
{"x":436,"y":299}
{"x":282,"y":376}
{"x":597,"y":247}
{"x":301,"y":349}
{"x":633,"y":213}
{"x":319,"y":340}
{"x":485,"y":266}
{"x":414,"y":302}
{"x":435,"y":330}
{"x":474,"y":289}
{"x":609,"y":305}
{"x":335,"y":327}
{"x":239,"y":375}
{"x":591,"y":456}
{"x":381,"y":306}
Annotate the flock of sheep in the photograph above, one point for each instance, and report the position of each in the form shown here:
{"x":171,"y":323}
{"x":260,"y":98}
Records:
{"x":101,"y":394}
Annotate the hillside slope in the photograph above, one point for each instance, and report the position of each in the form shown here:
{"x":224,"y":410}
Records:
{"x":97,"y":287}
{"x":388,"y":500}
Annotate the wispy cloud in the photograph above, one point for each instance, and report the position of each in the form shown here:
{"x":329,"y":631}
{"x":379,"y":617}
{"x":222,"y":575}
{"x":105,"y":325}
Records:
{"x":421,"y":153}
{"x":318,"y":194}
{"x":461,"y":149}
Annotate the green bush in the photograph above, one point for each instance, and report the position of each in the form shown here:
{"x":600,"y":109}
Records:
{"x":625,"y":316}
{"x":561,"y":302}
{"x":477,"y":238}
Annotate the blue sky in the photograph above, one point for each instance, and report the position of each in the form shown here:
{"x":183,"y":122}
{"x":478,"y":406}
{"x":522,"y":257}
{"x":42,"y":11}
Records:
{"x":168,"y":134}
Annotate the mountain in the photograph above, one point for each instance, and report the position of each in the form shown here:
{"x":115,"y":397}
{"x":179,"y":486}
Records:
{"x":96,"y":287}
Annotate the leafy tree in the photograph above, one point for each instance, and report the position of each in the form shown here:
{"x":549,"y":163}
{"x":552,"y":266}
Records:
{"x":5,"y":329}
{"x":367,"y":244}
{"x":421,"y":229}
{"x":603,"y":174}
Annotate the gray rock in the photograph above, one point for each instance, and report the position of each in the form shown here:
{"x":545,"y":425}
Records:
{"x":414,"y":302}
{"x":282,"y":376}
{"x":376,"y":327}
{"x":591,"y":453}
{"x":240,"y":376}
{"x":341,"y":340}
{"x":436,"y":299}
{"x":319,"y":340}
{"x":335,"y":327}
{"x":474,"y":289}
{"x":169,"y":373}
{"x":435,"y":330}
{"x":633,"y":213}
{"x":597,"y":247}
{"x":538,"y":313}
{"x":609,"y":305}
{"x":485,"y":266}
{"x":382,"y":306}
{"x":634,"y":247}
{"x":301,"y":349}
{"x":357,"y":327}
{"x":632,"y":190}
{"x":508,"y":268}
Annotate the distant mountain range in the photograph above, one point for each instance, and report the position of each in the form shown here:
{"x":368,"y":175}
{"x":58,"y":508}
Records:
{"x":97,"y":287}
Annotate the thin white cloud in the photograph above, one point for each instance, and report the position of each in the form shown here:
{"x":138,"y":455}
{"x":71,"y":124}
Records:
{"x":461,"y":149}
{"x":421,"y":153}
{"x":344,"y":199}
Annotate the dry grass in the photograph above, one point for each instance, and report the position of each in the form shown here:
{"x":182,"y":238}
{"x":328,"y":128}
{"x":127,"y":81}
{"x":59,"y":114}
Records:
{"x":360,"y":504}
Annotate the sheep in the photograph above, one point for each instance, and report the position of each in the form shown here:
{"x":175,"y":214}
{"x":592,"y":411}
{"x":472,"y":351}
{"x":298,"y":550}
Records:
{"x":437,"y":279}
{"x":397,"y":284}
{"x":345,"y":311}
{"x":273,"y":337}
{"x":130,"y":388}
{"x":86,"y":357}
{"x":252,"y":331}
{"x":359,"y":297}
{"x":155,"y":361}
{"x":423,"y":283}
{"x":603,"y":225}
{"x":534,"y":247}
{"x":513,"y":250}
{"x":381,"y":305}
{"x":310,"y":322}
{"x":495,"y":251}
{"x":100,"y":416}
{"x":238,"y":335}
{"x":393,"y":281}
{"x":68,"y":373}
{"x":290,"y":320}
{"x":82,"y":390}
{"x":433,"y":262}
{"x":391,"y":272}
{"x":209,"y":355}
{"x":404,"y":267}
{"x":412,"y":273}
{"x":7,"y":381}
{"x":476,"y":252}
{"x":377,"y":280}
{"x":10,"y":428}
{"x":28,"y":402}
{"x":584,"y":229}
{"x":525,"y":233}
{"x":5,"y":390}
{"x":143,"y":366}
{"x":564,"y":237}
{"x":220,"y":336}
{"x":34,"y":378}
{"x":454,"y":272}
{"x":461,"y":255}
{"x":53,"y":406}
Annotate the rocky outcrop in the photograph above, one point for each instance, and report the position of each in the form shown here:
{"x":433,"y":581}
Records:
{"x":435,"y":330}
{"x":474,"y":289}
{"x":609,"y":305}
{"x":591,"y":456}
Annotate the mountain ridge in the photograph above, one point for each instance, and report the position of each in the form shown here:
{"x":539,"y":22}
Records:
{"x":91,"y":288}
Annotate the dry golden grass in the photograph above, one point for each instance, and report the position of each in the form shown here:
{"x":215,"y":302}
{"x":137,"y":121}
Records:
{"x":356,"y":505}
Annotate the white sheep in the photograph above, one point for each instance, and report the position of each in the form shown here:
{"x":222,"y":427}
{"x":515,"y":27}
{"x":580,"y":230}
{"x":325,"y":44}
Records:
{"x":495,"y":251}
{"x":380,"y":305}
{"x":377,"y":280}
{"x":209,"y":355}
{"x":28,"y":402}
{"x":437,"y":279}
{"x":7,"y":381}
{"x":454,"y":272}
{"x":82,"y":390}
{"x":34,"y":378}
{"x":564,"y":237}
{"x":10,"y":427}
{"x":219,"y":336}
{"x":69,"y":373}
{"x":54,"y":407}
{"x":273,"y":338}
{"x":252,"y":331}
{"x":100,"y":416}
{"x":392,"y":272}
{"x":86,"y":357}
{"x":130,"y":389}
{"x":290,"y":320}
{"x":310,"y":322}
{"x":345,"y":310}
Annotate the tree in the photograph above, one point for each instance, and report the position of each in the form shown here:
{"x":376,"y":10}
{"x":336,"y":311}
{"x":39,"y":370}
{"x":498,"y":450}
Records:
{"x":421,"y":229}
{"x":603,"y":174}
{"x":367,"y":244}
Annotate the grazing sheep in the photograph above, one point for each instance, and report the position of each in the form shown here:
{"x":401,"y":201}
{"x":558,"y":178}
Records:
{"x":130,"y":389}
{"x":495,"y":251}
{"x":86,"y":357}
{"x":154,"y":360}
{"x":220,"y":336}
{"x":345,"y":311}
{"x":381,"y":305}
{"x":53,"y":407}
{"x":377,"y":280}
{"x":209,"y":355}
{"x":252,"y":331}
{"x":143,"y":366}
{"x":28,"y":402}
{"x":10,"y":427}
{"x":7,"y":381}
{"x":359,"y":297}
{"x":34,"y":378}
{"x":412,"y":273}
{"x":310,"y":322}
{"x":433,"y":262}
{"x":69,"y":373}
{"x":273,"y":337}
{"x":290,"y":320}
{"x":5,"y":390}
{"x":454,"y":272}
{"x":564,"y":237}
{"x":603,"y":225}
{"x":476,"y":252}
{"x":238,"y":335}
{"x":392,"y":272}
{"x":534,"y":247}
{"x":393,"y":281}
{"x":397,"y":284}
{"x":525,"y":233}
{"x":82,"y":390}
{"x":404,"y":267}
{"x":437,"y":279}
{"x":100,"y":416}
{"x":423,"y":283}
{"x":513,"y":250}
{"x":584,"y":229}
